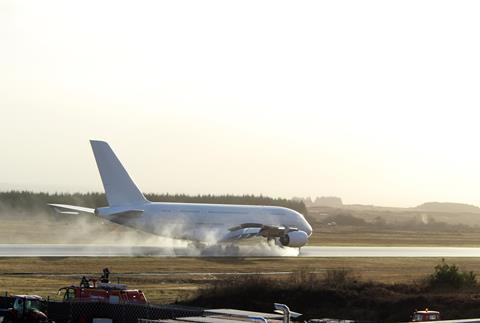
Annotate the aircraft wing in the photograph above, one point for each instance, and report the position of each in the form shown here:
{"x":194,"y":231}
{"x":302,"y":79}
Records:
{"x":71,"y":209}
{"x":249,"y":230}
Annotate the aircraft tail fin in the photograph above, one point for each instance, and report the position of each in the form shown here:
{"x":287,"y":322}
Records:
{"x":119,"y":187}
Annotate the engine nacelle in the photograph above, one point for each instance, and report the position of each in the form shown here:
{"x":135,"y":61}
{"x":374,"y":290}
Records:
{"x":294,"y":239}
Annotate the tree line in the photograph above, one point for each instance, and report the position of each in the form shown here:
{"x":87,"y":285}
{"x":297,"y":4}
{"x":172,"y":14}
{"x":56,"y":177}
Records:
{"x":37,"y":201}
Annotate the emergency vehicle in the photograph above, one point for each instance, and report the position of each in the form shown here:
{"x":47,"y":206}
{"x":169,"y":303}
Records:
{"x":425,"y":316}
{"x":91,"y":290}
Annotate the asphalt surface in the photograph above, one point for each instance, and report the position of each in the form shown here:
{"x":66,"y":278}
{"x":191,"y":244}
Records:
{"x":66,"y":250}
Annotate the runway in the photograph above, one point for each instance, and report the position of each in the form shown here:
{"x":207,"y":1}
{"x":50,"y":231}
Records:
{"x":71,"y":250}
{"x":383,"y":252}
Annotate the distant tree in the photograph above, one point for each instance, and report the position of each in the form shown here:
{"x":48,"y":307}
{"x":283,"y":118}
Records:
{"x":345,"y":219}
{"x":25,"y":201}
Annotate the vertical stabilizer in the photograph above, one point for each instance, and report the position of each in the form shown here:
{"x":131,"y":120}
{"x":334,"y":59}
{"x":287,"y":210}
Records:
{"x":119,"y":187}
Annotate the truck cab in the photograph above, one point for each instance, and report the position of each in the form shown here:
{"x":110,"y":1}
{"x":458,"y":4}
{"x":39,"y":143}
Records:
{"x":26,"y":308}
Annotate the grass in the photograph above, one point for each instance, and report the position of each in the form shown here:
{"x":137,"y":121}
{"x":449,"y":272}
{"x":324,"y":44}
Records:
{"x":358,"y":236}
{"x":390,"y":287}
{"x":378,"y":289}
{"x":341,"y":294}
{"x":166,"y":280}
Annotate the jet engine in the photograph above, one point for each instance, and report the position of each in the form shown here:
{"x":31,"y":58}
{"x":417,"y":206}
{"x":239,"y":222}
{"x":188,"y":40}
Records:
{"x":294,"y":239}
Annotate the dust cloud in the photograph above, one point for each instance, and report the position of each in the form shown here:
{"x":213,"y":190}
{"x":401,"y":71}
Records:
{"x":42,"y":227}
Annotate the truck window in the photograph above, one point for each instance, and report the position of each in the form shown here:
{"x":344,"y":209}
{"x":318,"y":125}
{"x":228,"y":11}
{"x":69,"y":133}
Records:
{"x":418,"y":317}
{"x":69,"y":294}
{"x":18,"y":305}
{"x":114,"y":299}
{"x":32,"y":304}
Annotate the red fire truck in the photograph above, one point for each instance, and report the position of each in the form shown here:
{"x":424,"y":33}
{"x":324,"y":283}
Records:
{"x":92,"y":290}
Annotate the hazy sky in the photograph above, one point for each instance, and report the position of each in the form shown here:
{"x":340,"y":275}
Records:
{"x":373,"y":101}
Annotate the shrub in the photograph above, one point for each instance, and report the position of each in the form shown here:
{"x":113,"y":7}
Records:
{"x":303,"y":278}
{"x":339,"y":277}
{"x":448,"y":276}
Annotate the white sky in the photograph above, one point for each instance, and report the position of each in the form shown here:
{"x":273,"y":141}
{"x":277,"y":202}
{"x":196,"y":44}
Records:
{"x":373,"y":101}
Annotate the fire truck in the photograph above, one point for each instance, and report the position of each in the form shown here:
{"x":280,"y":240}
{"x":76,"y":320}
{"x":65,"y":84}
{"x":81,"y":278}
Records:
{"x":425,"y":316}
{"x":25,"y":309}
{"x":92,"y":290}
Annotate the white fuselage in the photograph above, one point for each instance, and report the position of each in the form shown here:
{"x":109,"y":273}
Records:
{"x":203,"y":222}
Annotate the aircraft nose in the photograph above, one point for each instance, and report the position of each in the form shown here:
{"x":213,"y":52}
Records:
{"x":305,"y":226}
{"x":308,"y":228}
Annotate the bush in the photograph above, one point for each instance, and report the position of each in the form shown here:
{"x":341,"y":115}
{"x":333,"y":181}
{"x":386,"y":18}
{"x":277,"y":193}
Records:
{"x":303,"y":278}
{"x":450,"y":277}
{"x":339,"y":277}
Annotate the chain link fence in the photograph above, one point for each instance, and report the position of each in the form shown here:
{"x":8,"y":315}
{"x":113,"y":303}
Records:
{"x":84,"y":312}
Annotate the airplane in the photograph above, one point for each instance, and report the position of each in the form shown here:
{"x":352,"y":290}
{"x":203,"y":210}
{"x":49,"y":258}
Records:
{"x":191,"y":221}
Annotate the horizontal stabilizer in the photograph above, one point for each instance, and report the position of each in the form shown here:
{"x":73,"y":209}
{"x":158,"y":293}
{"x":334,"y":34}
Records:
{"x":71,"y":209}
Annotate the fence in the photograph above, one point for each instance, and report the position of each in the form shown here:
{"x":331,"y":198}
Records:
{"x":72,"y":312}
